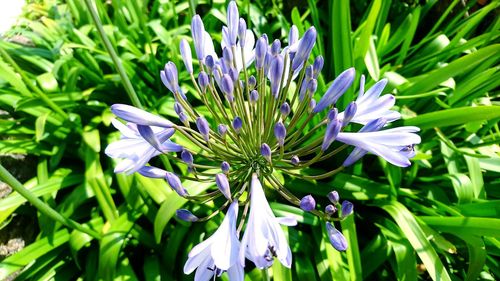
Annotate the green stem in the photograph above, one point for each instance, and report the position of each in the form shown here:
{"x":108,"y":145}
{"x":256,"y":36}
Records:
{"x":116,"y":60}
{"x":45,"y":209}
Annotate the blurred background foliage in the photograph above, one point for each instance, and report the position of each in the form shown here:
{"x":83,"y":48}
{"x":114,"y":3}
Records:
{"x":437,"y":220}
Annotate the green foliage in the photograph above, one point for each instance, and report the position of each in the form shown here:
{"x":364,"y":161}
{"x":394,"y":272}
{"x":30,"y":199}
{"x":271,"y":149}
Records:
{"x":438,"y":219}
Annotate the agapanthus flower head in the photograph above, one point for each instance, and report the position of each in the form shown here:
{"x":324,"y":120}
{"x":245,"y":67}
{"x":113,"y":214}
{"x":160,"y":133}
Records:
{"x":260,"y":98}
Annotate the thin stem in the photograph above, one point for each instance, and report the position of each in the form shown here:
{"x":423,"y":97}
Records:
{"x":45,"y":209}
{"x":116,"y":60}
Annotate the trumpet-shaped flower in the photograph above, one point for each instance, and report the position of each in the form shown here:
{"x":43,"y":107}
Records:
{"x":394,"y":145}
{"x":219,"y":252}
{"x":134,"y":150}
{"x":264,"y":238}
{"x":371,"y":105}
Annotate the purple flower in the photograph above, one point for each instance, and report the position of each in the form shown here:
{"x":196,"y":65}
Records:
{"x":336,"y":90}
{"x":280,"y":132}
{"x":138,"y":116}
{"x":186,"y":55}
{"x":219,"y":252}
{"x":307,"y":203}
{"x":336,"y":237}
{"x":223,"y":185}
{"x":264,"y":238}
{"x":203,"y":127}
{"x":394,"y":145}
{"x":175,"y":184}
{"x":186,"y":215}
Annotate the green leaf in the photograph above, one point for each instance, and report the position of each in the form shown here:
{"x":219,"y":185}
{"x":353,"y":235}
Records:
{"x":465,"y":225}
{"x":454,"y":116}
{"x":409,"y":226}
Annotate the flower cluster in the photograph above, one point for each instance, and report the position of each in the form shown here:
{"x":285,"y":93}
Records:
{"x":263,"y":120}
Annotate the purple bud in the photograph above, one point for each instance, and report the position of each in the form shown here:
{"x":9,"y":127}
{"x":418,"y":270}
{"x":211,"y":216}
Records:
{"x":318,"y":65}
{"x":203,"y":127}
{"x":280,"y":132}
{"x":312,"y":105}
{"x":265,"y":150}
{"x":175,"y":184}
{"x":362,"y":85}
{"x":198,"y":33}
{"x":332,"y":130}
{"x":169,"y":77}
{"x":187,"y":157}
{"x":336,"y":90}
{"x":223,"y":185}
{"x":305,"y":47}
{"x":333,"y":196}
{"x":293,"y":35}
{"x":232,"y":22}
{"x":254,"y":96}
{"x":227,"y":87}
{"x":336,"y":238}
{"x":227,"y":55}
{"x":307,"y":203}
{"x":285,"y":110}
{"x":332,"y":114}
{"x":233,"y":73}
{"x":178,"y":108}
{"x":347,"y":208}
{"x":225,"y":167}
{"x":186,"y":55}
{"x":147,"y":133}
{"x":242,"y":31}
{"x":330,"y":210}
{"x":309,"y":71}
{"x":260,"y":52}
{"x":209,"y":61}
{"x":295,"y":160}
{"x":237,"y":124}
{"x":275,"y":73}
{"x":203,"y":81}
{"x":186,"y":215}
{"x":252,"y":82}
{"x":276,"y":47}
{"x":349,"y":113}
{"x":312,"y":86}
{"x":183,"y":118}
{"x":267,"y":62}
{"x":222,"y":129}
{"x":152,"y":172}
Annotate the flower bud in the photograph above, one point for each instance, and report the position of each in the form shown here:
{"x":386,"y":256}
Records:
{"x":347,"y":208}
{"x":178,"y":108}
{"x":203,"y":81}
{"x":304,"y":49}
{"x":336,"y":90}
{"x":209,"y":62}
{"x":265,"y":150}
{"x":312,"y":86}
{"x":186,"y":215}
{"x":198,"y":33}
{"x":224,"y":166}
{"x":312,"y":105}
{"x":227,"y":87}
{"x":333,"y":196}
{"x":285,"y":110}
{"x":280,"y":132}
{"x":251,"y":82}
{"x":332,"y":130}
{"x":152,"y":172}
{"x":275,"y":73}
{"x":169,"y":77}
{"x":332,"y":114}
{"x":254,"y":96}
{"x":203,"y":127}
{"x":223,"y":185}
{"x":175,"y":184}
{"x":260,"y":52}
{"x":293,"y":35}
{"x":349,"y":113}
{"x":307,"y":203}
{"x":317,"y":66}
{"x":242,"y":31}
{"x":295,"y":160}
{"x":227,"y":55}
{"x":187,"y":157}
{"x":276,"y":47}
{"x":330,"y":210}
{"x":336,"y":237}
{"x":186,"y":55}
{"x":237,"y":124}
{"x":222,"y":129}
{"x":183,"y":118}
{"x":232,"y":22}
